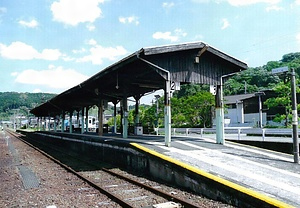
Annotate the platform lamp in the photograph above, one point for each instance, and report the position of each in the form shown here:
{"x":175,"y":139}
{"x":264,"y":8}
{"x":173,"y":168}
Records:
{"x":259,"y":94}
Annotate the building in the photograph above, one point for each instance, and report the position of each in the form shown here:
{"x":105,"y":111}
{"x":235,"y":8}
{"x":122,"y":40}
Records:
{"x":245,"y":109}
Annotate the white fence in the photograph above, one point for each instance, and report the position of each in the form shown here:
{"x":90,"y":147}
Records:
{"x":236,"y":133}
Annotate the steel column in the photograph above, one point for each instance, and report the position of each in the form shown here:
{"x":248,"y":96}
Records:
{"x":125,"y":118}
{"x":100,"y":118}
{"x":294,"y":117}
{"x":167,"y":113}
{"x":219,"y":116}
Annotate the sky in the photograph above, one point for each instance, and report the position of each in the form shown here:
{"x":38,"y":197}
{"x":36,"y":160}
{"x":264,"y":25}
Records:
{"x":52,"y":45}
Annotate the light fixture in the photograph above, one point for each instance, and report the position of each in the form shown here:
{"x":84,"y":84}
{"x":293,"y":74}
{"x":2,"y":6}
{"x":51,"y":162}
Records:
{"x":117,"y":86}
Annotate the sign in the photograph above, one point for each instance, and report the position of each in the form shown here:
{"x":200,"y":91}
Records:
{"x":175,"y":86}
{"x":213,"y":89}
{"x":280,"y":70}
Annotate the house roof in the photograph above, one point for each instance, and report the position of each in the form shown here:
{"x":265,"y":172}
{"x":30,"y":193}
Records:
{"x":233,"y":99}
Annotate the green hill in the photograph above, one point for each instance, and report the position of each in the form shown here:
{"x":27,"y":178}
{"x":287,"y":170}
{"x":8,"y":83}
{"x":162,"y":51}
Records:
{"x":10,"y":101}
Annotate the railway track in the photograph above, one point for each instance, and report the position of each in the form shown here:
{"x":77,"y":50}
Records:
{"x":125,"y":191}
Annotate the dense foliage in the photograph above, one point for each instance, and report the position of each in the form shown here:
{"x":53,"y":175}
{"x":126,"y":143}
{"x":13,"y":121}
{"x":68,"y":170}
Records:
{"x":11,"y":101}
{"x":260,"y":78}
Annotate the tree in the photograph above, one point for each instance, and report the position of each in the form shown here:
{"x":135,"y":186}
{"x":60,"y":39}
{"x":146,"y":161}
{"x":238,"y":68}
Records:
{"x":198,"y":109}
{"x":251,"y":80}
{"x":283,"y":98}
{"x":192,"y":111}
{"x":190,"y":89}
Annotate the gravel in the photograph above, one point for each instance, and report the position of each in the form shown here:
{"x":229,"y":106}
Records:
{"x":57,"y":187}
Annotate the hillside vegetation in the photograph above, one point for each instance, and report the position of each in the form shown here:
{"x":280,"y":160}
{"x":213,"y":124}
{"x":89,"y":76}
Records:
{"x":23,"y":102}
{"x":260,"y":78}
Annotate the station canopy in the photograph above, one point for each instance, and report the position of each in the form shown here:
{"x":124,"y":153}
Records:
{"x":144,"y":71}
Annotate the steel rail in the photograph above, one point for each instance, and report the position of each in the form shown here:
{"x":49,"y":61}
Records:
{"x":99,"y":188}
{"x":165,"y":195}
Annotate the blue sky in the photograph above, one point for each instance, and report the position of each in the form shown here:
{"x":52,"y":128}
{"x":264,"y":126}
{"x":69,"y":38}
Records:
{"x":52,"y":45}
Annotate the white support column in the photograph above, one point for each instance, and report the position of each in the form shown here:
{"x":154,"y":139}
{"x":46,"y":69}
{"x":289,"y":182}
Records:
{"x":239,"y":112}
{"x":82,"y":120}
{"x":137,"y":116}
{"x":168,"y":114}
{"x":70,"y":122}
{"x":44,"y":123}
{"x":125,"y":118}
{"x":115,"y":117}
{"x":49,"y":123}
{"x":77,"y":119}
{"x":39,"y":124}
{"x":63,"y":122}
{"x":100,"y":118}
{"x":87,"y":119}
{"x":220,"y":134}
{"x":55,"y":129}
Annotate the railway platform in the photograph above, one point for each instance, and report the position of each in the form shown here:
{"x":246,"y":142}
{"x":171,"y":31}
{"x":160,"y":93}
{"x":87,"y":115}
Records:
{"x":262,"y":174}
{"x":269,"y":175}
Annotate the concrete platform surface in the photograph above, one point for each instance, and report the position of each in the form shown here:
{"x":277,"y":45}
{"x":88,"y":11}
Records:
{"x":263,"y":172}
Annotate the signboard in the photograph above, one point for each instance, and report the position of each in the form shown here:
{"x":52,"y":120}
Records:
{"x":280,"y":70}
{"x":213,"y":89}
{"x":175,"y":86}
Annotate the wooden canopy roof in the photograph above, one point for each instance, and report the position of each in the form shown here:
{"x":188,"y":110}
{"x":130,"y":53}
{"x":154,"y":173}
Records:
{"x":144,"y":71}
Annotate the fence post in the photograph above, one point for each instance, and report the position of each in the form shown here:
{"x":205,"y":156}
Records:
{"x":187,"y":131}
{"x":263,"y":134}
{"x":239,"y":133}
{"x":201,"y":132}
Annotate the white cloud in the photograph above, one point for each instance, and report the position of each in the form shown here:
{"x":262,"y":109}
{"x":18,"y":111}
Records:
{"x":99,"y":53}
{"x":225,"y":23}
{"x":36,"y":91}
{"x":274,"y":8}
{"x":31,"y":24}
{"x":18,"y":50}
{"x":92,"y":42}
{"x":168,"y":5}
{"x":201,"y":1}
{"x":82,"y":50}
{"x":165,"y":36}
{"x":297,"y":2}
{"x":73,"y":12}
{"x":67,"y":58}
{"x":14,"y":74}
{"x":177,"y":34}
{"x":50,"y":54}
{"x":53,"y":77}
{"x":90,"y":27}
{"x":21,"y":51}
{"x":249,"y":2}
{"x":129,"y":20}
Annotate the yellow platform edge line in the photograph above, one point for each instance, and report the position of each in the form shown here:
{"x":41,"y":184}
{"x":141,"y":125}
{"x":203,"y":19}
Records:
{"x":269,"y":200}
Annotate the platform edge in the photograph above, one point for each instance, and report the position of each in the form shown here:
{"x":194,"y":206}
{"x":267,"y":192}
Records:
{"x":262,"y":197}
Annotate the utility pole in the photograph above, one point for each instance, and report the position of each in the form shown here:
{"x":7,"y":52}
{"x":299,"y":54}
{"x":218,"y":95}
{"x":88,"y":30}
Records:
{"x":281,"y":70}
{"x":294,"y":117}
